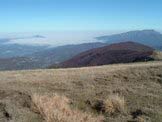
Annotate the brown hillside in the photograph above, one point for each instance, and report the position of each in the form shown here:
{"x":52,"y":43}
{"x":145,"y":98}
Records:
{"x":124,"y":52}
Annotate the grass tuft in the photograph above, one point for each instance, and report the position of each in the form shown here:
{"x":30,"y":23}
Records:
{"x":57,"y":109}
{"x":114,"y":104}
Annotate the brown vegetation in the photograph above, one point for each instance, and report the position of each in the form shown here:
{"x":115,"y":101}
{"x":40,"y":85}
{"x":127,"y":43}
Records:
{"x":57,"y":109}
{"x":114,"y":104}
{"x":137,"y":88}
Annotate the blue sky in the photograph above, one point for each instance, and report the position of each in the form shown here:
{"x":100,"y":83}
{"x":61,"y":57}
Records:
{"x":49,"y":15}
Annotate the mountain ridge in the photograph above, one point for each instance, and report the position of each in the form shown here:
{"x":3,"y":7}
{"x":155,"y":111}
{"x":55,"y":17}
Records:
{"x":123,"y":52}
{"x":150,"y":38}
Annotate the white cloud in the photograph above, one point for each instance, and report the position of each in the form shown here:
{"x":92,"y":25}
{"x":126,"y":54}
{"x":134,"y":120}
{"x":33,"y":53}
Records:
{"x":56,"y":38}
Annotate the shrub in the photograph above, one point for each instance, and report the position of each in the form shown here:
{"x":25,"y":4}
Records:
{"x":57,"y":109}
{"x":114,"y":104}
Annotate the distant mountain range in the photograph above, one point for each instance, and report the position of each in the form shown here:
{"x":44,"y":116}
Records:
{"x":10,"y":50}
{"x":123,"y":52}
{"x":46,"y":57}
{"x":33,"y":57}
{"x":62,"y":53}
{"x":17,"y":63}
{"x":151,"y":38}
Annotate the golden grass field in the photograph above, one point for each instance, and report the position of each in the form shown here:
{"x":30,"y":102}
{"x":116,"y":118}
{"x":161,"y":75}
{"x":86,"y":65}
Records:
{"x":111,"y":93}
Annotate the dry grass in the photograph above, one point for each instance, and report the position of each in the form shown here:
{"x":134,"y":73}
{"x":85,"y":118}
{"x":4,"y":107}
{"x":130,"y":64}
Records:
{"x":139,"y":83}
{"x":140,"y":119}
{"x":157,"y":55}
{"x":57,"y":109}
{"x":114,"y":104}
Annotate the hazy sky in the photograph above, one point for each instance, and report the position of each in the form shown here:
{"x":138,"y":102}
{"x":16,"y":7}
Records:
{"x":49,"y":15}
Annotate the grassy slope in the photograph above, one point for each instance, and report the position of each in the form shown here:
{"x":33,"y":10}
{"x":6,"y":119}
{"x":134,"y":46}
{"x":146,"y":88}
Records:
{"x":139,"y":83}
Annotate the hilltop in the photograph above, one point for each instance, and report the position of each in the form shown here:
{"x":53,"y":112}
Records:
{"x":119,"y":92}
{"x":123,"y":52}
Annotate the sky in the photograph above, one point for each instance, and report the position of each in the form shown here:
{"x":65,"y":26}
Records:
{"x":80,"y":15}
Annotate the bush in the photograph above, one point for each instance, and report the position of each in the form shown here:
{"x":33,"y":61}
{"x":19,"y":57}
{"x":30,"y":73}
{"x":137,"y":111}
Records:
{"x":114,"y":104}
{"x":57,"y":109}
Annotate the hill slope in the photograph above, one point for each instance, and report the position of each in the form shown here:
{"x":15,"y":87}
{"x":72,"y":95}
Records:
{"x":147,"y":37}
{"x":62,"y":53}
{"x":116,"y":53}
{"x":43,"y":58}
{"x":139,"y":83}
